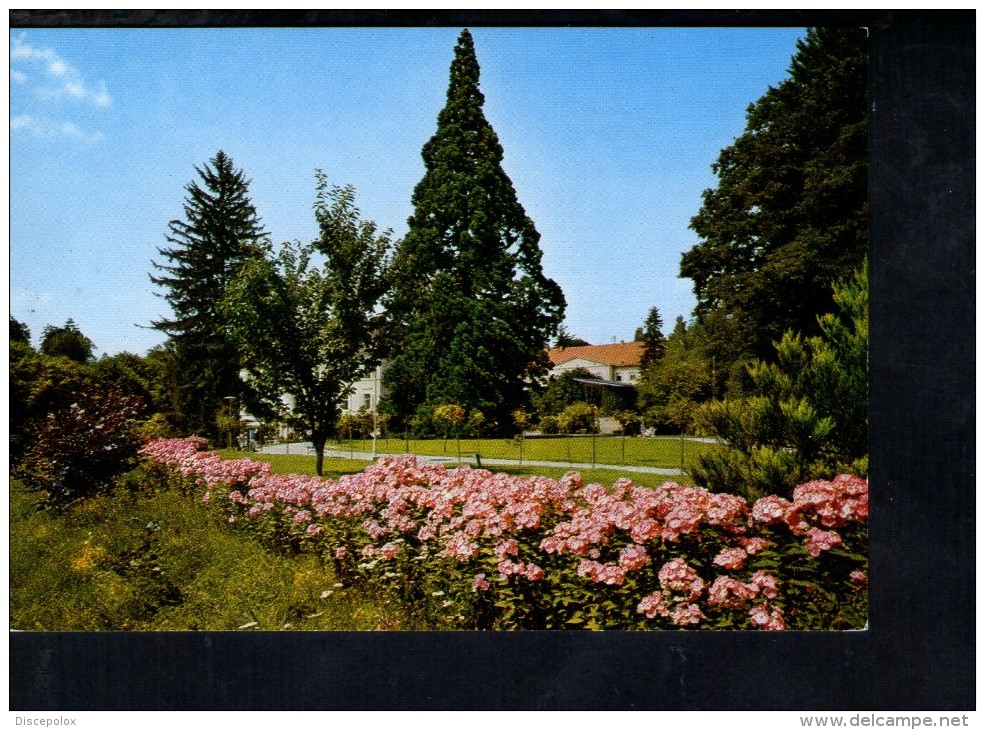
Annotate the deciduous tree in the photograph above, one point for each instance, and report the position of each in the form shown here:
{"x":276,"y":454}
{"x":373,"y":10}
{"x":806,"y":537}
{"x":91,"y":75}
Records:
{"x":306,"y":321}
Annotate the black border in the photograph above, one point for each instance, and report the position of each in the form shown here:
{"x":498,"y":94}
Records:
{"x":919,"y":652}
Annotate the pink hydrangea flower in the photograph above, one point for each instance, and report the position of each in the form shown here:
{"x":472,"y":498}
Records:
{"x":687,"y":614}
{"x":817,"y":541}
{"x":767,"y":618}
{"x":479,"y":583}
{"x":654,"y":605}
{"x":633,"y":557}
{"x":730,"y":593}
{"x":766,"y":584}
{"x":731,"y":559}
{"x":676,"y":576}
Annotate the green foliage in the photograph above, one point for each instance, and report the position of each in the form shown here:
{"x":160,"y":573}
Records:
{"x":578,"y":418}
{"x":220,"y":232}
{"x":807,"y":415}
{"x":75,"y":434}
{"x":305,"y":334}
{"x":473,"y":310}
{"x":19,"y":332}
{"x":790,"y":213}
{"x":561,"y":391}
{"x":671,"y":389}
{"x":66,"y":341}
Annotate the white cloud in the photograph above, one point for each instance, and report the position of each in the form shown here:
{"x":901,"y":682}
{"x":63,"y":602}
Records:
{"x":47,"y":129}
{"x":61,"y":79}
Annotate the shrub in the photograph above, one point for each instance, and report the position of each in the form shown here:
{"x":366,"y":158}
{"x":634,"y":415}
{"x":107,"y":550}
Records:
{"x":77,"y":449}
{"x":465,"y":548}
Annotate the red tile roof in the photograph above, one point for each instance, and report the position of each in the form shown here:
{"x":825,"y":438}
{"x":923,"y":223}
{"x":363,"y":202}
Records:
{"x":622,"y":354}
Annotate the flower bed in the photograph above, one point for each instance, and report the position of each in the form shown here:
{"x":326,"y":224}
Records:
{"x":467,"y":548}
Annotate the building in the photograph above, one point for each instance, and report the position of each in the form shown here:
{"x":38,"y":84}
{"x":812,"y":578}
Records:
{"x":616,"y":363}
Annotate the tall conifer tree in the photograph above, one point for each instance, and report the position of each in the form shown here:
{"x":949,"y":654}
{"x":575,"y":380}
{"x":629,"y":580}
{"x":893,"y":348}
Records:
{"x":473,"y":309}
{"x":220,"y":231}
{"x":789,"y":215}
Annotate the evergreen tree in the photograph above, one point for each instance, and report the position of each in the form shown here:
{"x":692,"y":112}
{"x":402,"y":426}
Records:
{"x":474,"y":312}
{"x":807,"y":415}
{"x":652,"y":338}
{"x":66,"y":341}
{"x":790,"y":212}
{"x":220,"y":231}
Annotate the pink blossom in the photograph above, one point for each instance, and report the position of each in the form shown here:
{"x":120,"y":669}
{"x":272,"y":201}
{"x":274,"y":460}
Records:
{"x":730,"y":593}
{"x":768,"y":618}
{"x":533,"y":572}
{"x":389,"y":550}
{"x":731,"y":559}
{"x":654,"y":605}
{"x":818,"y":541}
{"x":340,"y":553}
{"x":766,"y":584}
{"x":506,"y":547}
{"x":676,"y":576}
{"x":479,"y":583}
{"x":754,"y":545}
{"x":858,"y":577}
{"x":770,"y":510}
{"x":686,"y":614}
{"x":633,"y":557}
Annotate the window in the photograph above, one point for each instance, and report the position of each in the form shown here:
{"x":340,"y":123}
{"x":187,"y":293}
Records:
{"x":367,"y":399}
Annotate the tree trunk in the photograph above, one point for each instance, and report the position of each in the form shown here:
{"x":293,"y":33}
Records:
{"x":319,"y":443}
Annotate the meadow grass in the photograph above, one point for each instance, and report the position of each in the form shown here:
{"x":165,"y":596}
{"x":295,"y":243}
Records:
{"x":163,"y":562}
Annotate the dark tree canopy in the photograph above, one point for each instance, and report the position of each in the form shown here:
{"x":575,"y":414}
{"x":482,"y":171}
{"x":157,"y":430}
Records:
{"x":19,"y":332}
{"x":220,"y":231}
{"x":66,"y":341}
{"x":789,"y":215}
{"x":474,"y":311}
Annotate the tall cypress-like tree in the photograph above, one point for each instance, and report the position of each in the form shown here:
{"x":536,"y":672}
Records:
{"x":789,"y":215}
{"x":221,"y":231}
{"x":473,"y":309}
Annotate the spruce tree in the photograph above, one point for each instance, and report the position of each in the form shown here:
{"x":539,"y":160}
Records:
{"x":220,"y":231}
{"x":473,"y":310}
{"x":652,"y":338}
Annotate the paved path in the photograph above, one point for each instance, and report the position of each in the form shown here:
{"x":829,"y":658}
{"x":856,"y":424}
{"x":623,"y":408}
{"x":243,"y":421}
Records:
{"x":307,"y":450}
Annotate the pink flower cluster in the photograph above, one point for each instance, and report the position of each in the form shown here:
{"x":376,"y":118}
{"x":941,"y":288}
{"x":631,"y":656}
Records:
{"x":502,"y":528}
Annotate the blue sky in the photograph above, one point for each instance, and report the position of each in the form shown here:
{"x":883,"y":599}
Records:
{"x":609,"y":136}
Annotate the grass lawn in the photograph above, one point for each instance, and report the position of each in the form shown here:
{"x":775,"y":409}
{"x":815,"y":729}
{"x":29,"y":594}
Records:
{"x":665,"y":452}
{"x":334,"y":468}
